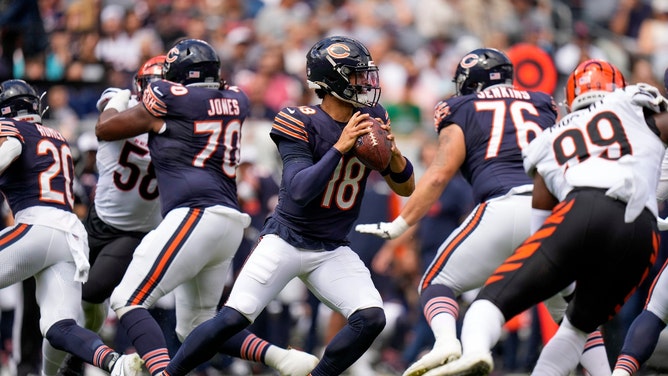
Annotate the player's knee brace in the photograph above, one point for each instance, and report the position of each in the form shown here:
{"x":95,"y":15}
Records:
{"x":368,"y":321}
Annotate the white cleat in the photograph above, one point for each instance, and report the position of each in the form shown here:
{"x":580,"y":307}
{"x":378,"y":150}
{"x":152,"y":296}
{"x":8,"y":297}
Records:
{"x":441,"y":354}
{"x":128,"y":365}
{"x":296,"y":363}
{"x":480,"y":364}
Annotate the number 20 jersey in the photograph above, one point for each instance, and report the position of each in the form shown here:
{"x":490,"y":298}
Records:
{"x":607,"y":145}
{"x":42,"y":174}
{"x":196,"y":155}
{"x":497,"y":123}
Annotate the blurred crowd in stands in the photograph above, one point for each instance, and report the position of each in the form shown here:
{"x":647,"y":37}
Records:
{"x":74,"y":49}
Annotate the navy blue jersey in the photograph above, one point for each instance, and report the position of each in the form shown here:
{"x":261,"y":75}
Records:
{"x":196,"y":157}
{"x":497,"y":123}
{"x":303,"y":136}
{"x":42,"y":174}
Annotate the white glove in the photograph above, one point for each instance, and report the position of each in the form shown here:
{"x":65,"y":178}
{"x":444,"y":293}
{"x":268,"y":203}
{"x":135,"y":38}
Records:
{"x":662,"y":223}
{"x":385,"y":230}
{"x":651,"y":99}
{"x":105,"y":97}
{"x":119,"y":101}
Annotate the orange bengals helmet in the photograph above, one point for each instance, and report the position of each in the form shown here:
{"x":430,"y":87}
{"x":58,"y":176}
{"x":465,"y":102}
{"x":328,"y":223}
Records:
{"x":152,"y":70}
{"x":591,"y":81}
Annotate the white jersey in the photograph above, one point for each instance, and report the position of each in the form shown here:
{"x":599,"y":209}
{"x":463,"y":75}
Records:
{"x":126,"y":196}
{"x":607,"y":145}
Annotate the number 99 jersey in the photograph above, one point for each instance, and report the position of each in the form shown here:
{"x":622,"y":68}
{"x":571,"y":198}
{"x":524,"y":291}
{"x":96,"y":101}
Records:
{"x":607,"y":145}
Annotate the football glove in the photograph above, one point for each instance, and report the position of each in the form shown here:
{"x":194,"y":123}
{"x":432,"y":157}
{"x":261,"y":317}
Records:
{"x":662,"y":223}
{"x":385,"y":230}
{"x":651,"y":99}
{"x":105,"y":97}
{"x":119,"y":101}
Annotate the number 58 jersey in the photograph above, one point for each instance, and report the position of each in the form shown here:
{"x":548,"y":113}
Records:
{"x":609,"y":145}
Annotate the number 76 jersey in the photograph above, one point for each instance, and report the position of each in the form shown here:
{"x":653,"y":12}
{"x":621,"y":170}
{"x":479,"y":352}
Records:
{"x":609,"y":145}
{"x":497,"y":123}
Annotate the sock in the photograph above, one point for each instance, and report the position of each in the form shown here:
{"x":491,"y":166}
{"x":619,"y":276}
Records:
{"x":594,"y":358}
{"x":562,"y":353}
{"x":640,"y":342}
{"x":67,"y":336}
{"x":482,"y":327}
{"x":441,"y":310}
{"x":247,"y":346}
{"x":147,"y":338}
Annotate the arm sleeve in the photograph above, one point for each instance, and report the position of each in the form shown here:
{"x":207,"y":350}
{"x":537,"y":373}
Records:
{"x":9,"y":151}
{"x":304,"y":180}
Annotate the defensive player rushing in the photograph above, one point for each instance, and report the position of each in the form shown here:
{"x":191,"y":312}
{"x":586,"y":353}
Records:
{"x":47,"y":241}
{"x":194,"y":132}
{"x":643,"y":334}
{"x":125,"y":209}
{"x":595,"y":177}
{"x":320,"y":196}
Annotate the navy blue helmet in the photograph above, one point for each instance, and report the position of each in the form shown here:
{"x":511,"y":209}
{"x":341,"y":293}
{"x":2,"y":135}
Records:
{"x":482,"y":68}
{"x":18,"y":98}
{"x":343,"y":67}
{"x":193,"y":62}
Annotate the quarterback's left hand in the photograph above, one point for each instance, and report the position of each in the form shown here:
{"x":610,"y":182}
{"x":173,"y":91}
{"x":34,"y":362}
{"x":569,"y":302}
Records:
{"x":385,"y":230}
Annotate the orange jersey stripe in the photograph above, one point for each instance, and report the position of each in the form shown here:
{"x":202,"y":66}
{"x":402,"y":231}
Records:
{"x":13,"y":234}
{"x":440,"y":261}
{"x":172,"y":247}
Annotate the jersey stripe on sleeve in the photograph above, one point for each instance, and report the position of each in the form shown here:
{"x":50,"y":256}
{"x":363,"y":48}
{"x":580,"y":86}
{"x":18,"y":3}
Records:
{"x":290,"y":126}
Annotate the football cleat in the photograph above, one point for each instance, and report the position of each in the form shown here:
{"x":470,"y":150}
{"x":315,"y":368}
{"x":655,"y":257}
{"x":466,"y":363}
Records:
{"x":442,"y":353}
{"x":480,"y":364}
{"x":127,"y":365}
{"x":296,"y":363}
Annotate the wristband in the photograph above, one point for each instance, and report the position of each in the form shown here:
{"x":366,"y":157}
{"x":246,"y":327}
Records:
{"x":386,"y":171}
{"x":403,"y":176}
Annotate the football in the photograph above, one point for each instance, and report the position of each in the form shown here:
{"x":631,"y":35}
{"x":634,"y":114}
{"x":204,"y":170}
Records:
{"x":373,"y":149}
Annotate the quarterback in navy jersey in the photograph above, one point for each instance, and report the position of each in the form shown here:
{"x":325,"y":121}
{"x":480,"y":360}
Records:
{"x":482,"y":131}
{"x":320,"y":193}
{"x":194,"y":127}
{"x":47,"y":241}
